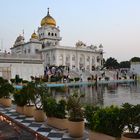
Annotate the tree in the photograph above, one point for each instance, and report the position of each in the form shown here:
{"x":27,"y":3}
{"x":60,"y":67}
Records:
{"x":125,"y":64}
{"x":135,"y":59}
{"x":111,"y":63}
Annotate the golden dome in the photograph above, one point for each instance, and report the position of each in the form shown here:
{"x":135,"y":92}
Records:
{"x":48,"y":20}
{"x":34,"y":36}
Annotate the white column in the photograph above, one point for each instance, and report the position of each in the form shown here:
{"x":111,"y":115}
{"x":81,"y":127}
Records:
{"x":71,"y":60}
{"x":64,"y":58}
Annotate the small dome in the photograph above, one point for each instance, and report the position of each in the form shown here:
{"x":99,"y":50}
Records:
{"x":20,"y":38}
{"x":34,"y":36}
{"x":19,"y":41}
{"x":48,"y":20}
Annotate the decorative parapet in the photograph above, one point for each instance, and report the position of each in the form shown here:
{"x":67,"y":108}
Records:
{"x":20,"y":58}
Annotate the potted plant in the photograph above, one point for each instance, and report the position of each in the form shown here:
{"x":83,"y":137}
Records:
{"x":56,"y":112}
{"x":107,"y":123}
{"x":1,"y":96}
{"x":6,"y":89}
{"x":40,"y":93}
{"x":29,"y":92}
{"x":132,"y":121}
{"x":75,"y":115}
{"x":19,"y":100}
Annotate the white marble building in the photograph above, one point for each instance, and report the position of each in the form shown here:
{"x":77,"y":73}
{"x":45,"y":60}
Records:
{"x":135,"y":68}
{"x":46,"y":43}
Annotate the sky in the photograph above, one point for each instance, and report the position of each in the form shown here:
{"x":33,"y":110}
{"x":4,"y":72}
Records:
{"x":113,"y":23}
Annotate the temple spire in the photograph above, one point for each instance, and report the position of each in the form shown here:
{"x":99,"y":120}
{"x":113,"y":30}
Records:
{"x":48,"y":11}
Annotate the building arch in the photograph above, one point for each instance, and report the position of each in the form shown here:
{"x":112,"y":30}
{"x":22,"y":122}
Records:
{"x":82,"y":62}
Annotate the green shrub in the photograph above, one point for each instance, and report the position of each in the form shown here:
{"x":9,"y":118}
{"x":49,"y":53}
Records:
{"x":76,"y":79}
{"x":132,"y":117}
{"x":89,"y":113}
{"x":49,"y":106}
{"x":19,"y":98}
{"x":29,"y":92}
{"x":109,"y":121}
{"x":71,"y":80}
{"x":6,"y":89}
{"x":61,"y":109}
{"x":54,"y":109}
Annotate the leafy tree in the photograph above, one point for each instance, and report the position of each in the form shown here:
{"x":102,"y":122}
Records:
{"x":125,"y":64}
{"x":135,"y":59}
{"x":111,"y":63}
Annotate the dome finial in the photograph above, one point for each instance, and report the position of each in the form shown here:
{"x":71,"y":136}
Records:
{"x":48,"y":11}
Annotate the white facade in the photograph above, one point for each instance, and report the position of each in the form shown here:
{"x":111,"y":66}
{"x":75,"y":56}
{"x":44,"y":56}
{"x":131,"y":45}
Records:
{"x":47,"y":43}
{"x":25,"y":71}
{"x":135,"y":67}
{"x":23,"y":65}
{"x":74,"y":57}
{"x":31,"y":47}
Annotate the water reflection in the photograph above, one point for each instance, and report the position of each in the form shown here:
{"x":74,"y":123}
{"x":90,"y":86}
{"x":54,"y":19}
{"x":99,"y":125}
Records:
{"x":103,"y":94}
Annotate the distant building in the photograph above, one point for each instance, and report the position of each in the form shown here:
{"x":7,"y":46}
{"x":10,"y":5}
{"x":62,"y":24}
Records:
{"x":135,"y":68}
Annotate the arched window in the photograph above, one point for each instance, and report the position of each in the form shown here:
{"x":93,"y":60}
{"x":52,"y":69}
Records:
{"x":47,"y":58}
{"x":52,"y":34}
{"x":82,"y":62}
{"x":55,"y":34}
{"x":98,"y":59}
{"x":49,"y":33}
{"x":61,"y":59}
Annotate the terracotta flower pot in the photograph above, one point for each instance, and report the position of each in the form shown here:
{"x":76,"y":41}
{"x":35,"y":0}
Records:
{"x":39,"y":115}
{"x":130,"y":136}
{"x":57,"y":122}
{"x":20,"y":109}
{"x":29,"y":110}
{"x":6,"y":102}
{"x":76,"y":129}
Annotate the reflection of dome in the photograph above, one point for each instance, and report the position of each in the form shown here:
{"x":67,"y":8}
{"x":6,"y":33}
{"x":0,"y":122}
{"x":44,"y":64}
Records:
{"x":34,"y":36}
{"x":48,"y":20}
{"x":19,"y":39}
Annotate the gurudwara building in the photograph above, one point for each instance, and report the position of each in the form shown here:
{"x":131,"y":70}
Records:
{"x":44,"y":50}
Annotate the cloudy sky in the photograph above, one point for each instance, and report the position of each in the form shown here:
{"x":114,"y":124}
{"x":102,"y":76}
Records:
{"x":114,"y":23}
